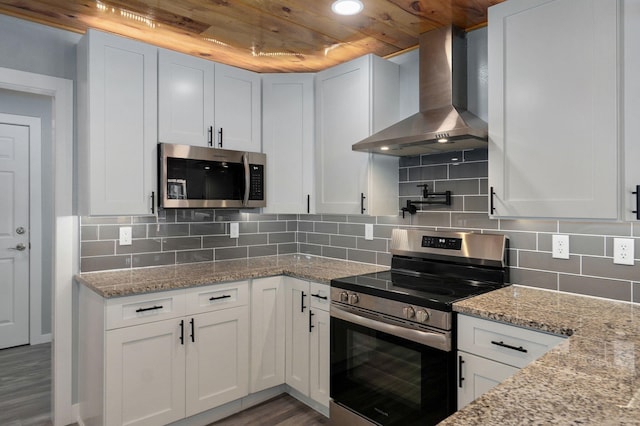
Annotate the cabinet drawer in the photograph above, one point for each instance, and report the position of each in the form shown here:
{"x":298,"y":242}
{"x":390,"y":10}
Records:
{"x":144,"y":308}
{"x":217,"y":296}
{"x":319,"y":294}
{"x":501,"y":342}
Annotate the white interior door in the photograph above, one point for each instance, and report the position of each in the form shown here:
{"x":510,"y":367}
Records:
{"x":14,"y":235}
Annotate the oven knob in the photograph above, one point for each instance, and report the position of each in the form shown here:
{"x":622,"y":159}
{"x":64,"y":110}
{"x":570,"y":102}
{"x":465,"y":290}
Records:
{"x":353,"y":299}
{"x":344,"y":297}
{"x":422,"y":315}
{"x":409,"y":312}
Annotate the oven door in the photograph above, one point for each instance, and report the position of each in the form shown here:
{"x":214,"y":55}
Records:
{"x":388,"y":379}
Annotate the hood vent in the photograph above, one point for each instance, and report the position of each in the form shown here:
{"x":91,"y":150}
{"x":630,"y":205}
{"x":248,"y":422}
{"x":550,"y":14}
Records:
{"x":443,"y":123}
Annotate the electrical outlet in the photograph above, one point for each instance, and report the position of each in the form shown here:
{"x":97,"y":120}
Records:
{"x":623,"y":251}
{"x":125,"y":235}
{"x":234,"y":230}
{"x":368,"y":231}
{"x":560,"y":246}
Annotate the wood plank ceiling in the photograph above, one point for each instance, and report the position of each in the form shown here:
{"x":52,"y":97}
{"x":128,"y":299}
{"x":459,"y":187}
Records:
{"x":260,"y":35}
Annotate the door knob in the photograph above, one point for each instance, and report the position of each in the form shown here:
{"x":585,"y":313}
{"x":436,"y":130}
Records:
{"x":19,"y":247}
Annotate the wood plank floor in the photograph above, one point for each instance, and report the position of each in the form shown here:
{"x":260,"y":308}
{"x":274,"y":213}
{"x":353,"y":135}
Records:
{"x":25,"y":385}
{"x":283,"y":410}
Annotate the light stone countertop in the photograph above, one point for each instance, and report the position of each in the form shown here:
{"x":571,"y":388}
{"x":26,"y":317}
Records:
{"x":591,"y":378}
{"x":145,"y":280}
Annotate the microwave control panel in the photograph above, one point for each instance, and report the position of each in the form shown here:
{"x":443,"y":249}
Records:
{"x":256,"y":182}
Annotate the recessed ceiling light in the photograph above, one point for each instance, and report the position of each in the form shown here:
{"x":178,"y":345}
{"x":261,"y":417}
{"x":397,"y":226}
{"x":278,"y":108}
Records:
{"x":347,"y":7}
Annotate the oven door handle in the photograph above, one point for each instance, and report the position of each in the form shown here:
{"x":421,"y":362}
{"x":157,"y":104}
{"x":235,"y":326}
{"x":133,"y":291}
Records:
{"x":438,"y":340}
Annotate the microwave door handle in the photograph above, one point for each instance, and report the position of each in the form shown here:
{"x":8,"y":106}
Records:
{"x":245,"y":161}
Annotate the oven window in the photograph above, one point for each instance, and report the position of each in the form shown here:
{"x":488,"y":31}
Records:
{"x":385,"y":367}
{"x":204,"y":180}
{"x":387,"y":379}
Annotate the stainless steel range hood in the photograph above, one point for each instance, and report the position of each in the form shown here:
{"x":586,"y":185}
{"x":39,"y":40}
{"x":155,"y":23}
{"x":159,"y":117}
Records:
{"x":443,"y":123}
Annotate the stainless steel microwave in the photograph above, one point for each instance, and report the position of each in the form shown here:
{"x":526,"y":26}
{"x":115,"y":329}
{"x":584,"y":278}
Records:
{"x":199,"y":177}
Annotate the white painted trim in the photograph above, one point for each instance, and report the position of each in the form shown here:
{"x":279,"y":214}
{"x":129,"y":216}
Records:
{"x":65,"y":238}
{"x":35,"y":222}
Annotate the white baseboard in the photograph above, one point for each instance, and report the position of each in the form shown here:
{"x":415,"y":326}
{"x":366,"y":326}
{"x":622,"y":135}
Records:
{"x":38,"y":339}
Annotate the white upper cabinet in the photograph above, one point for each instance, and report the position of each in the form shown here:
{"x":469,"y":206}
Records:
{"x":553,"y":108}
{"x":117,"y":125}
{"x":354,"y":100}
{"x":237,"y":109}
{"x":631,"y":109}
{"x":207,"y":104}
{"x":287,"y":139}
{"x":185,"y":99}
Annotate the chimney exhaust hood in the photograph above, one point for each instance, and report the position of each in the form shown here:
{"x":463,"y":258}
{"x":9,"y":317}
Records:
{"x":443,"y":123}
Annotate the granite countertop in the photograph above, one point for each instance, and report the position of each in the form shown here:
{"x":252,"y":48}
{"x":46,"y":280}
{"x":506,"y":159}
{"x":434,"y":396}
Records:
{"x":161,"y":278}
{"x":593,"y":377}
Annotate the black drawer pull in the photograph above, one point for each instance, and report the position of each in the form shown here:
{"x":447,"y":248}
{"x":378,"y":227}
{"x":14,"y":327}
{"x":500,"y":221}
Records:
{"x":319,"y":297}
{"x":504,"y":345}
{"x":193,"y":331}
{"x":182,"y":332}
{"x":302,"y":296}
{"x":153,"y":308}
{"x":637,"y":194}
{"x":226,"y":296}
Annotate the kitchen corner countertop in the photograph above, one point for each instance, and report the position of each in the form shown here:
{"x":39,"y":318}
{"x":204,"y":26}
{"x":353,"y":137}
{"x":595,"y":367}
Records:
{"x":145,"y":280}
{"x":592,"y":378}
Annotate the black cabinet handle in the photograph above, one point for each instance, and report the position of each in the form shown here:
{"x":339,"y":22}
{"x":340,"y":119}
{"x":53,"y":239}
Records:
{"x":153,"y":308}
{"x":319,"y":297}
{"x":220,"y":134}
{"x":308,"y":203}
{"x":460,"y":378}
{"x":311,"y":314}
{"x":637,"y":210}
{"x":504,"y":345}
{"x":362,"y":198}
{"x":153,"y":202}
{"x":182,"y":332}
{"x":193,"y":331}
{"x":210,"y":136}
{"x":302,"y":296}
{"x":226,"y":296}
{"x":491,"y":207}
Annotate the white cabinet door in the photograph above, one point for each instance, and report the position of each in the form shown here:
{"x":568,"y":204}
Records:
{"x":185,"y":99}
{"x":237,"y":109}
{"x":319,"y":357}
{"x":267,"y":333}
{"x":553,"y":108}
{"x":144,"y":374}
{"x":353,"y":100}
{"x":217,"y":358}
{"x":631,"y":110}
{"x":117,"y":125}
{"x":287,"y":139}
{"x":297,"y":338}
{"x":477,"y":375}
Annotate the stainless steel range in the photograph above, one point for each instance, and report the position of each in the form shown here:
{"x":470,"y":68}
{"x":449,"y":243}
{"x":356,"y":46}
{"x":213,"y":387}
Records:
{"x":393,"y":332}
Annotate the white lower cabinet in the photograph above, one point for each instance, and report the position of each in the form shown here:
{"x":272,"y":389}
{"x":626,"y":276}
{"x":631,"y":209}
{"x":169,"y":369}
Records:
{"x":267,"y":333}
{"x":157,"y":358}
{"x":490,"y":352}
{"x":307,"y":339}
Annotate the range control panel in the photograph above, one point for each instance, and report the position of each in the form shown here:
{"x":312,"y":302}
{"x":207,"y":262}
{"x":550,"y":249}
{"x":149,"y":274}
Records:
{"x":442,"y":242}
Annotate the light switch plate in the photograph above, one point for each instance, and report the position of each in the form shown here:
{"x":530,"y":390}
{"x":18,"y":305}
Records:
{"x":560,"y":246}
{"x":368,"y":231}
{"x":623,"y":251}
{"x":234,"y":230}
{"x":125,"y":235}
